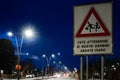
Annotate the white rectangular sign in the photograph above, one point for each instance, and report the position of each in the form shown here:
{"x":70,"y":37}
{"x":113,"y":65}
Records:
{"x":93,"y":29}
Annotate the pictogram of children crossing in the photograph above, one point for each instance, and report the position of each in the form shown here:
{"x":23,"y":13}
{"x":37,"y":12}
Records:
{"x":91,"y":26}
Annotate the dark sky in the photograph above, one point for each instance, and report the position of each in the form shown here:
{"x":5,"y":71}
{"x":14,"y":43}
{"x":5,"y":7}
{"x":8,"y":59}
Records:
{"x":53,"y":24}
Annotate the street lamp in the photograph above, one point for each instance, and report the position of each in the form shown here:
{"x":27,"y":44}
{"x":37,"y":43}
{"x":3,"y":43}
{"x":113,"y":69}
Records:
{"x":27,"y":33}
{"x":57,"y":65}
{"x":48,"y":59}
{"x":59,"y":54}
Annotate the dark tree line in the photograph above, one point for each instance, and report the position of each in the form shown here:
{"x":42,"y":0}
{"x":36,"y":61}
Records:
{"x":7,"y":57}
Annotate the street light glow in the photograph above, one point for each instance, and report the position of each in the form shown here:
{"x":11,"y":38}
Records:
{"x":43,"y":55}
{"x":28,"y":33}
{"x":10,"y":34}
{"x":58,"y":54}
{"x":54,"y":62}
{"x":60,"y":62}
{"x":52,"y":55}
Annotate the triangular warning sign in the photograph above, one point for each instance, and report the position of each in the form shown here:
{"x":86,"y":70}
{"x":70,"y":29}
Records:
{"x":92,"y":26}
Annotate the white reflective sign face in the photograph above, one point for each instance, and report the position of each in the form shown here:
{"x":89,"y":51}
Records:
{"x":93,"y":29}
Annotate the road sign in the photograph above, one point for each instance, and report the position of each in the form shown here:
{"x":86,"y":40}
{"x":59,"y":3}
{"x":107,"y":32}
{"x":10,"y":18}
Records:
{"x":93,"y":29}
{"x":18,"y":67}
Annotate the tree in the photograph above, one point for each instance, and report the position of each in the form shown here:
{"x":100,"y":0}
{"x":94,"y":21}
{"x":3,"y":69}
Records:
{"x":7,"y":57}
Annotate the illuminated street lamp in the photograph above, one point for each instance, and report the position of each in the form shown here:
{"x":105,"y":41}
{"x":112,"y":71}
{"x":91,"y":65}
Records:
{"x":48,"y":59}
{"x":27,"y":33}
{"x":10,"y":34}
{"x":58,"y":54}
{"x":58,"y":65}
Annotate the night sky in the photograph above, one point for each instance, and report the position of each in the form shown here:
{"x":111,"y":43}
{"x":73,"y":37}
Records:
{"x":52,"y":21}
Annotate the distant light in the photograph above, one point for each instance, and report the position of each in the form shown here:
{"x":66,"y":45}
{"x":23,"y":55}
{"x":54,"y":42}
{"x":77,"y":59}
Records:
{"x":57,"y":75}
{"x":35,"y":57}
{"x":118,"y":64}
{"x":58,"y":54}
{"x":27,"y":53}
{"x":54,"y":62}
{"x":114,"y":68}
{"x":65,"y":67}
{"x":75,"y":69}
{"x":59,"y":62}
{"x":43,"y":55}
{"x":10,"y":34}
{"x":52,"y":55}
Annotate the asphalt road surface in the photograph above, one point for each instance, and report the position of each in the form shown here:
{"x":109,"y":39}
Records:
{"x":39,"y":78}
{"x":61,"y":78}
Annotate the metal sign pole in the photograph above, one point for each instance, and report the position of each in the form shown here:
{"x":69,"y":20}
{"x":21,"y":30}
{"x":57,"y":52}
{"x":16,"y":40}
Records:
{"x":86,"y":67}
{"x":102,"y":67}
{"x":81,"y":68}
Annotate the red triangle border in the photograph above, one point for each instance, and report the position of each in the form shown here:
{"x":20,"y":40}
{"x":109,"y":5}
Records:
{"x":106,"y":32}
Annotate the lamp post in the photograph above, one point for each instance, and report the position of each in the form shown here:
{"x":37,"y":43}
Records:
{"x":48,"y":59}
{"x":57,"y":65}
{"x":27,"y":33}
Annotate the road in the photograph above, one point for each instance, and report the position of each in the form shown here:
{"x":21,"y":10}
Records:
{"x":61,"y":78}
{"x":39,"y":78}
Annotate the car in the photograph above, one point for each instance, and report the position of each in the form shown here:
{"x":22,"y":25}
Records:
{"x":57,"y":75}
{"x":30,"y":75}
